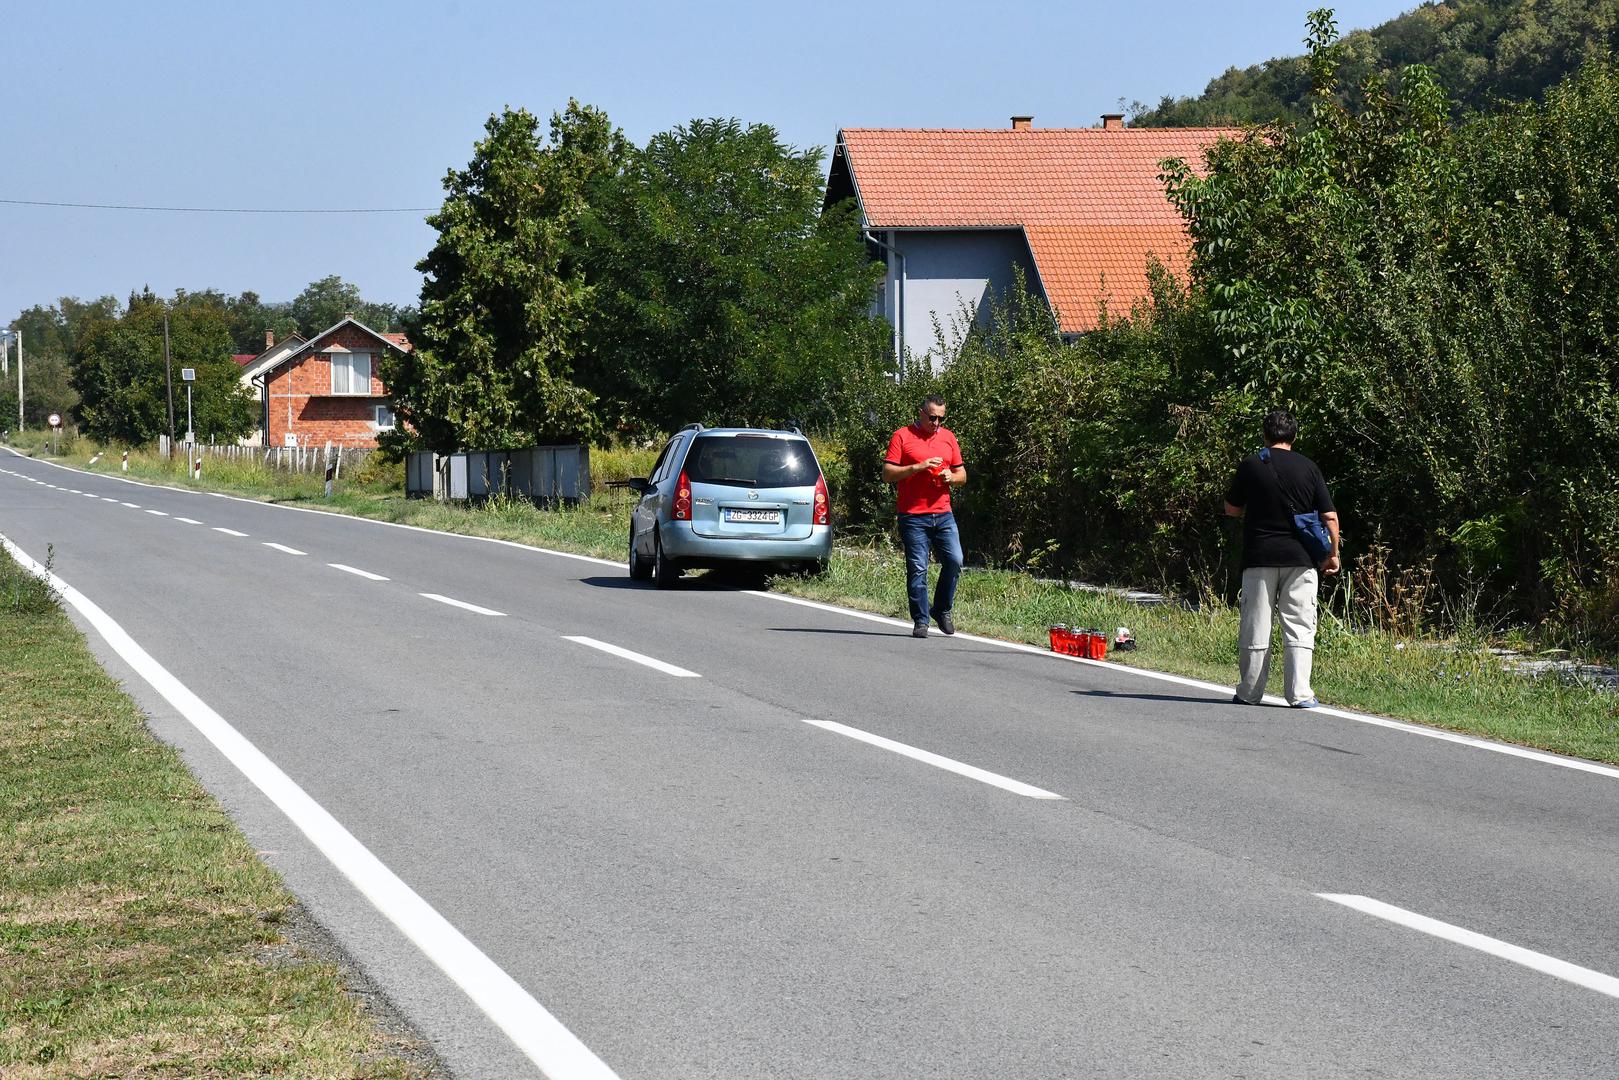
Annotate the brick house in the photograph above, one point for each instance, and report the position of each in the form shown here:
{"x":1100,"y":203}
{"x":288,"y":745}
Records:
{"x":1080,"y":211}
{"x":326,"y":388}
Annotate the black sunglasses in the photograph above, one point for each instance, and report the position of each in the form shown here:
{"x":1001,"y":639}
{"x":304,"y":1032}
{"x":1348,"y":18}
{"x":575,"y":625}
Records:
{"x":933,"y":419}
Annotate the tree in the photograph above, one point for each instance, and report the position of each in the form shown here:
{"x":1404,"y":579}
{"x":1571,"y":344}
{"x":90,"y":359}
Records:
{"x":250,"y":317}
{"x":120,"y":376}
{"x":506,"y":303}
{"x":727,"y":295}
{"x":323,"y":304}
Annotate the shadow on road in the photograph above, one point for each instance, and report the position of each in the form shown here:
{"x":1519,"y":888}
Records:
{"x":824,"y":630}
{"x":1149,"y":697}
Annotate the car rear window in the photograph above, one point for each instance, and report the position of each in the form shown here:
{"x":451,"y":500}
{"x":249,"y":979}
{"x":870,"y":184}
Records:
{"x":751,"y":460}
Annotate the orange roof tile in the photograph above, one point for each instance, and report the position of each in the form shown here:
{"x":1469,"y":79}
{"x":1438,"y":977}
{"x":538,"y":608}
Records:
{"x":1088,"y":199}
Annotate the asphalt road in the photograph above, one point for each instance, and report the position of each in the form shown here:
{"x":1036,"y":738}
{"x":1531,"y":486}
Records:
{"x":723,"y":870}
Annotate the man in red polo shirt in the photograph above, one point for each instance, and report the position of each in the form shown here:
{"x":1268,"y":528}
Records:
{"x":924,"y":463}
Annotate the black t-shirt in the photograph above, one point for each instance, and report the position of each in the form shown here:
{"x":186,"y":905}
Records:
{"x":1268,"y":538}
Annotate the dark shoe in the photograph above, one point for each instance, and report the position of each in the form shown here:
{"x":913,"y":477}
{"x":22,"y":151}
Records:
{"x":919,"y":630}
{"x":947,"y":625}
{"x":1235,"y":700}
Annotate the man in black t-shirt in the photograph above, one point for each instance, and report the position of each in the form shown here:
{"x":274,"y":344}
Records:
{"x":1278,"y":575}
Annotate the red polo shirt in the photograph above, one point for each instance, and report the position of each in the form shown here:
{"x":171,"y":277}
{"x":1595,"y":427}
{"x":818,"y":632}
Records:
{"x":923,"y":493}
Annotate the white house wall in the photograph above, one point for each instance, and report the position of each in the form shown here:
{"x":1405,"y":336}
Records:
{"x":950,"y":274}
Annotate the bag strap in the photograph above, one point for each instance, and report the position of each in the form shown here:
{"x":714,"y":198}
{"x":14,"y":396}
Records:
{"x":1264,"y":455}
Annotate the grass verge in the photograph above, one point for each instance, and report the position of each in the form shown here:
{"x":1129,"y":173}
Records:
{"x":1444,"y":684}
{"x":140,"y":934}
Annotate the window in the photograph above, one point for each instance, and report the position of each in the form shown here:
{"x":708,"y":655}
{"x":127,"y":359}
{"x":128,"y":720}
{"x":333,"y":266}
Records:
{"x":385,"y":418}
{"x":752,"y":460}
{"x":660,"y":470}
{"x":351,"y":373}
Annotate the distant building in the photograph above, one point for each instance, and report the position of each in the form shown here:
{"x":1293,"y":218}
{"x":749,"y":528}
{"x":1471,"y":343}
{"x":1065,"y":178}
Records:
{"x":1080,"y":210}
{"x":324,"y":389}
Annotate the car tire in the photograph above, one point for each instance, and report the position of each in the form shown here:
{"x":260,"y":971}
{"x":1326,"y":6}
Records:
{"x":817,"y":567}
{"x":640,"y":569}
{"x":664,"y":572}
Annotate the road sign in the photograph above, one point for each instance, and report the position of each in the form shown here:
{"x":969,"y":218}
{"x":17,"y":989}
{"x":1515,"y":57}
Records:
{"x":53,"y":420}
{"x":188,"y":374}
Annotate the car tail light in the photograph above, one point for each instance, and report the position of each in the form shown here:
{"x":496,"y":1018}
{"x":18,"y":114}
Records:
{"x":821,"y":508}
{"x":682,"y":498}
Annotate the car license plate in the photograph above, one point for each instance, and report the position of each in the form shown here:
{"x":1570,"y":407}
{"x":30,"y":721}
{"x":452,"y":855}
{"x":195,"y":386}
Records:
{"x":751,"y":516}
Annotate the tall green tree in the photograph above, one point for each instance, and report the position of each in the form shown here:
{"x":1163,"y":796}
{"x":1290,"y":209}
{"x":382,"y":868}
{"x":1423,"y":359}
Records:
{"x":119,"y":371}
{"x":506,"y":304}
{"x":727,"y":295}
{"x":323,"y":303}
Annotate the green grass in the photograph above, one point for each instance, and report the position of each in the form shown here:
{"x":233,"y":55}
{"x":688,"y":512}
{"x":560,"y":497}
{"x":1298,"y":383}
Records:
{"x":140,"y":934}
{"x":1444,"y":684}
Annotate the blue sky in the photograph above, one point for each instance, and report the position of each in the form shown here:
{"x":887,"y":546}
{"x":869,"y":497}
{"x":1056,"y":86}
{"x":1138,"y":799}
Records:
{"x":298,"y":105}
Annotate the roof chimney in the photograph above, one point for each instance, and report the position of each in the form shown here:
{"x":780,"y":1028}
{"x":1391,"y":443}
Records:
{"x":1112,"y":121}
{"x":1022,"y":123}
{"x":269,"y":340}
{"x":349,"y":315}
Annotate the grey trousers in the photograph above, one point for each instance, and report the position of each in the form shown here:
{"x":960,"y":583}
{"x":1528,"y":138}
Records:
{"x":1290,"y":593}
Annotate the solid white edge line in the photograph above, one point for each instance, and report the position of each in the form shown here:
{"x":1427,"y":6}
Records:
{"x":541,"y":1036}
{"x":1017,"y":787}
{"x":659,"y":665}
{"x":356,"y":571}
{"x":1547,"y":965}
{"x":461,"y":604}
{"x":1474,"y":741}
{"x":283,"y":547}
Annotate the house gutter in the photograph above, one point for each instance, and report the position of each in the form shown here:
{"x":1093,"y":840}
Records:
{"x":899,"y":297}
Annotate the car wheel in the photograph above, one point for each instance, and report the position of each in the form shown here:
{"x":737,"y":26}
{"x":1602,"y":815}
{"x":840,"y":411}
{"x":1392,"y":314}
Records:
{"x":640,"y":569}
{"x":664,"y":572}
{"x":817,"y":567}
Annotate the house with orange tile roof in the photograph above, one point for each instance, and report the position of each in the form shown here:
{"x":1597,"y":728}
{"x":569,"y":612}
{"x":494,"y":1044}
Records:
{"x":325,"y":389}
{"x":952,"y":212}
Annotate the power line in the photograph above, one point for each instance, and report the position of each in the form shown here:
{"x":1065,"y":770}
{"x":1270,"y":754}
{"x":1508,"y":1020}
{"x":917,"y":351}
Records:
{"x":222,"y":210}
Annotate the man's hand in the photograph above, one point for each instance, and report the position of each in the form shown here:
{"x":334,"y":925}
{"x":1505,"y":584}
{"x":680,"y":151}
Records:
{"x":930,"y":464}
{"x":1331,"y":565}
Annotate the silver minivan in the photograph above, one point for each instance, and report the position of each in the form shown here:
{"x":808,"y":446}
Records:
{"x":728,"y":496}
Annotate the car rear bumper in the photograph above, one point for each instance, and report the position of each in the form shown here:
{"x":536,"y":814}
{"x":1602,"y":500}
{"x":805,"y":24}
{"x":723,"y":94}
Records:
{"x":685,"y":547}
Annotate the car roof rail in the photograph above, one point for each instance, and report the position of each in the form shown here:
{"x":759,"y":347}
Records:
{"x":691,"y":427}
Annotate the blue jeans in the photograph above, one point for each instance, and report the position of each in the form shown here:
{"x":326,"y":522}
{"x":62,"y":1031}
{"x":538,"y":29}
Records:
{"x":919,"y":532}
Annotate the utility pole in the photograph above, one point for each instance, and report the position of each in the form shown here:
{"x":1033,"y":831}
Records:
{"x":19,"y":379}
{"x":168,"y":379}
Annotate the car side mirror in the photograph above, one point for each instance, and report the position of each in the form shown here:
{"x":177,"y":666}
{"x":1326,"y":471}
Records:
{"x":640,"y":485}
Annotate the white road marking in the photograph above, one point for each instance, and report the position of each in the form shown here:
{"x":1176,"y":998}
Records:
{"x":159,"y":513}
{"x":189,"y":521}
{"x":132,"y":506}
{"x":541,"y":1036}
{"x":973,"y":772}
{"x":91,"y":495}
{"x":1220,"y":690}
{"x":461,"y":604}
{"x":357,"y":572}
{"x":74,"y":491}
{"x":1546,"y":965}
{"x":1223,"y":692}
{"x":228,"y":532}
{"x":283,"y":547}
{"x":657,"y":665}
{"x":108,"y":498}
